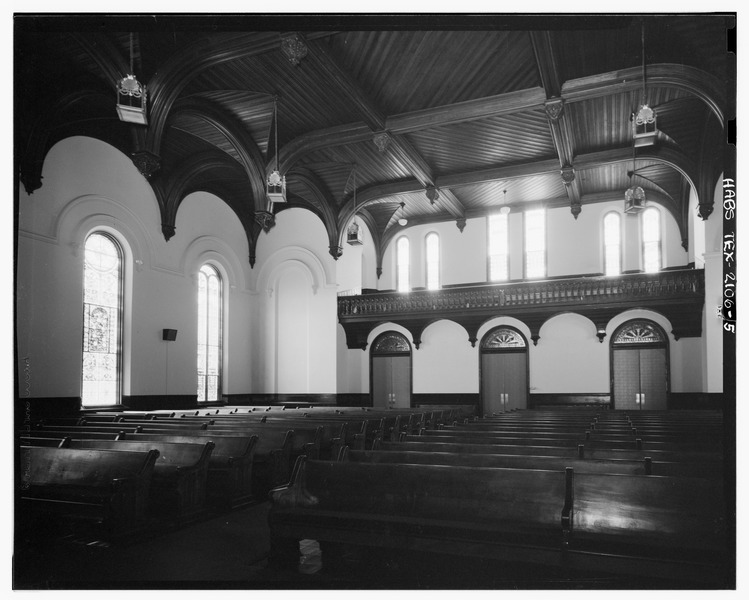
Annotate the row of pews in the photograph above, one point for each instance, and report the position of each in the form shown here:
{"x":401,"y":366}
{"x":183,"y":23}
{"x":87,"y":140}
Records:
{"x":636,"y":496}
{"x":128,"y":472}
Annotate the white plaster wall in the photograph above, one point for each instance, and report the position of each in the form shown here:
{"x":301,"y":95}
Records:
{"x":445,"y":361}
{"x":88,"y":185}
{"x":454,"y":248}
{"x":352,"y":365}
{"x":295,"y":284}
{"x":569,"y":358}
{"x":349,"y":269}
{"x":574,"y":246}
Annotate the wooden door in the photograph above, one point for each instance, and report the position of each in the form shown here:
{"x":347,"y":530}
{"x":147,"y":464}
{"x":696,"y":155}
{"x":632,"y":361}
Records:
{"x":400,"y":387}
{"x":639,"y":366}
{"x":381,"y":387}
{"x":653,"y":379}
{"x":390,"y":383}
{"x":626,"y":379}
{"x":504,"y":371}
{"x":492,"y":383}
{"x":516,"y":380}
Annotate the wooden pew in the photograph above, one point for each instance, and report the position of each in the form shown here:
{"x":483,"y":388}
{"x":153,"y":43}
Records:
{"x":352,"y":431}
{"x":591,"y":443}
{"x":580,"y":523}
{"x":180,"y":475}
{"x":358,"y":434}
{"x":229,"y":483}
{"x":623,"y":466}
{"x":425,"y":444}
{"x":75,"y":434}
{"x":415,"y":418}
{"x":45,"y":442}
{"x":108,"y":488}
{"x":574,"y":434}
{"x":685,"y":440}
{"x":77,"y":429}
{"x":414,"y":506}
{"x":672,"y":527}
{"x":271,"y":459}
{"x":310,"y":439}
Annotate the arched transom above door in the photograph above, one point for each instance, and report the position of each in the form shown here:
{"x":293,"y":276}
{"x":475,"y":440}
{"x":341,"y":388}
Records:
{"x":640,"y":331}
{"x":391,"y":342}
{"x":503,"y":337}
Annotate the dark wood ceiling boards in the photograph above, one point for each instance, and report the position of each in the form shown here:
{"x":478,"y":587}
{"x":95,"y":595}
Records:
{"x":406,"y":71}
{"x":464,"y":107}
{"x":501,"y":139}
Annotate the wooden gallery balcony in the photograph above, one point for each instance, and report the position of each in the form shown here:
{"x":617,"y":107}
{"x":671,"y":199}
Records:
{"x":676,"y":294}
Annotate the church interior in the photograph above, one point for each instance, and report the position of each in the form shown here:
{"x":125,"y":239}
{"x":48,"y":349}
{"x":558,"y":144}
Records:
{"x":379,"y":302}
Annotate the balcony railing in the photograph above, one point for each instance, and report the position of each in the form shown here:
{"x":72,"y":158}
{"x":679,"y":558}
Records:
{"x":677,"y":294}
{"x":561,"y":292}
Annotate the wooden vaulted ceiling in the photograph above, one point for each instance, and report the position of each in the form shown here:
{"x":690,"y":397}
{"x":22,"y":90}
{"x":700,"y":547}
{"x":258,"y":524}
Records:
{"x":486,"y":110}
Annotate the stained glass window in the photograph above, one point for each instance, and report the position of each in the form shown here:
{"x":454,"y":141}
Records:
{"x":209,"y":334}
{"x":102,"y":318}
{"x":535,"y":243}
{"x":498,"y":248}
{"x":403,"y":265}
{"x":612,"y":244}
{"x":433,"y":261}
{"x":651,"y":240}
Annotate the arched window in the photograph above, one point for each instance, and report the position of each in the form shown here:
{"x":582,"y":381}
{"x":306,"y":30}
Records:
{"x":433,"y":261}
{"x":102,"y":321}
{"x":612,"y":244}
{"x":498,"y":248}
{"x":403,"y":265}
{"x":651,"y":240}
{"x":209,"y":334}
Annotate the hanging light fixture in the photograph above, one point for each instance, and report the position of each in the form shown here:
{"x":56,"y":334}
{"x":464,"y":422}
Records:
{"x":276,"y":190}
{"x":644,"y":128}
{"x":634,"y":197}
{"x":131,"y":96}
{"x":505,"y":209}
{"x":403,"y":221}
{"x":354,"y":233}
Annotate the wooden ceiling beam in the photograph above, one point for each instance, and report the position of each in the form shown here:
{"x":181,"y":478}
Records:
{"x":249,"y":154}
{"x":451,"y":203}
{"x":407,"y":157}
{"x":685,"y":78}
{"x":546,"y":63}
{"x":682,"y":77}
{"x":398,"y":147}
{"x":183,"y":67}
{"x":672,"y":158}
{"x":347,"y":86}
{"x":470,"y":110}
{"x":559,"y":125}
{"x":663,"y":155}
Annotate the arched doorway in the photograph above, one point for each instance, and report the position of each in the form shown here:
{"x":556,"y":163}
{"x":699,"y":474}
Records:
{"x":639,"y":366}
{"x":504,"y":370}
{"x":390,"y":371}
